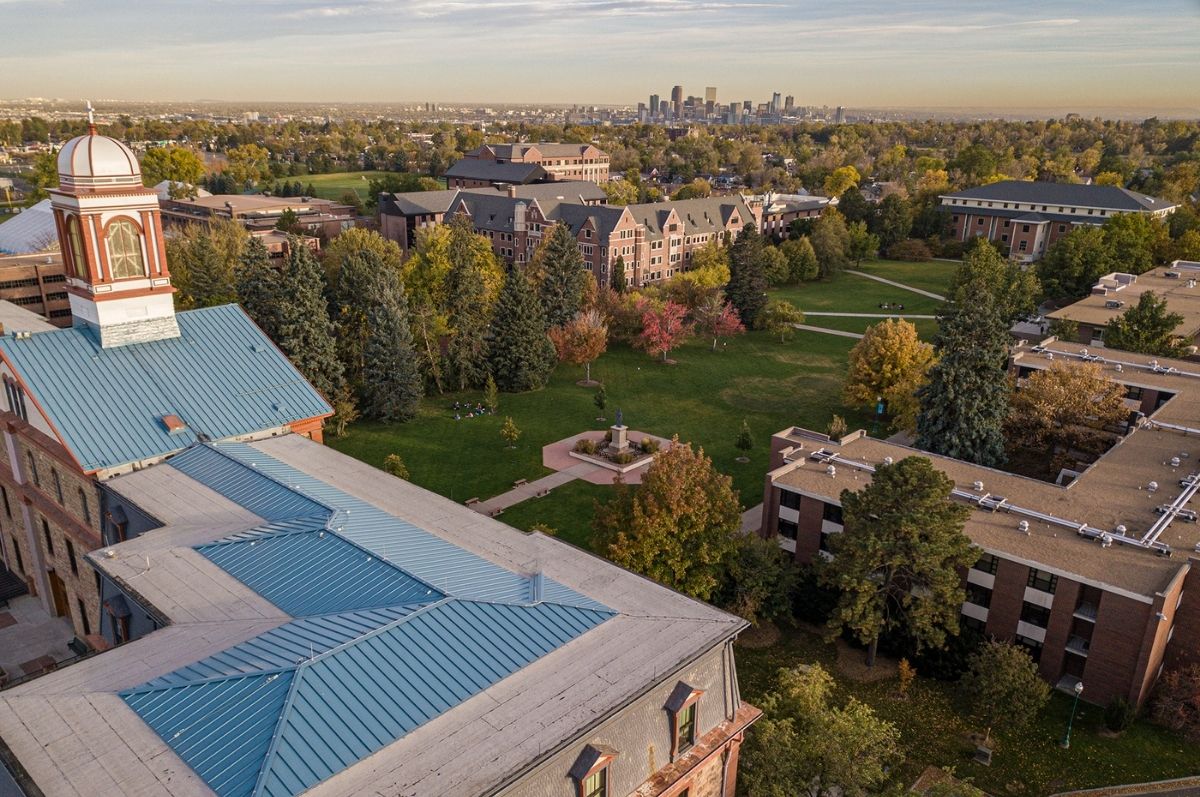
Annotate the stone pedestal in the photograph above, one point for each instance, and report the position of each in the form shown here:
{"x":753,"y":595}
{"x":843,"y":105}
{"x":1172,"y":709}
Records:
{"x":620,"y":439}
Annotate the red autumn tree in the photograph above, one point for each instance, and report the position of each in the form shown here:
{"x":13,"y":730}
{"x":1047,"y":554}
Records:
{"x":663,"y":328}
{"x":718,"y":319}
{"x":581,"y":340}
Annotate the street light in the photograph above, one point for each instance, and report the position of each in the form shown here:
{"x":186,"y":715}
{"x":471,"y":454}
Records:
{"x":1066,"y":741}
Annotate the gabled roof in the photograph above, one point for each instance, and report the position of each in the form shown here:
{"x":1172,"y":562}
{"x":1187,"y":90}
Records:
{"x":1092,"y":196}
{"x":31,"y":230}
{"x":496,"y":172}
{"x":222,"y":376}
{"x":418,"y":203}
{"x":603,"y":217}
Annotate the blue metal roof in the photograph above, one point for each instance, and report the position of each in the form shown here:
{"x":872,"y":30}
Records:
{"x":242,"y":484}
{"x":246,"y":739}
{"x":222,"y":376}
{"x":305,"y":570}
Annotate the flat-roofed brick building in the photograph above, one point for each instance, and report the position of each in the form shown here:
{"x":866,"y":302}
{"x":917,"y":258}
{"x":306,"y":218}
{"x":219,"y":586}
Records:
{"x":1099,"y":577}
{"x":38,"y":283}
{"x":321,"y":218}
{"x":560,"y":161}
{"x":1026,"y":217}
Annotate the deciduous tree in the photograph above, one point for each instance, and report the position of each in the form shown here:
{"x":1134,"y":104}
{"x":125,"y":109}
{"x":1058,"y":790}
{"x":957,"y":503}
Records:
{"x":180,"y":165}
{"x":1147,"y":328}
{"x":581,"y":340}
{"x":780,"y":318}
{"x":831,"y":749}
{"x":890,"y":362}
{"x":830,"y":241}
{"x":680,"y":526}
{"x":717,"y":318}
{"x":247,"y":164}
{"x":862,"y":243}
{"x":841,"y":179}
{"x":802,"y":260}
{"x":1002,"y":687}
{"x":1075,"y":262}
{"x":469,"y":310}
{"x":663,"y":328}
{"x":896,"y":565}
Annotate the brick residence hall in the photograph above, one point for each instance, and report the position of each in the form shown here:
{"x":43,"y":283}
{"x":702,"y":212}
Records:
{"x":1098,"y":576}
{"x":272,"y":617}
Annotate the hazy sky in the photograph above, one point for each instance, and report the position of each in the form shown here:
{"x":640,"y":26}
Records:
{"x":1016,"y":53}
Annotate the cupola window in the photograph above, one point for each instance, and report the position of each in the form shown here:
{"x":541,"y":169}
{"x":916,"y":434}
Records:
{"x":125,"y":250}
{"x":75,"y":241}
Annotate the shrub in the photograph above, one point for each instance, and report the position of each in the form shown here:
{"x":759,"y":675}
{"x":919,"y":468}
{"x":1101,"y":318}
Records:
{"x":394,"y":464}
{"x":608,"y":436}
{"x":1119,"y":715}
{"x":585,"y":446}
{"x":624,"y":458}
{"x":649,"y":445}
{"x":1177,"y":701}
{"x":549,"y":531}
{"x":951,"y":249}
{"x":911,"y":249}
{"x":907,"y":674}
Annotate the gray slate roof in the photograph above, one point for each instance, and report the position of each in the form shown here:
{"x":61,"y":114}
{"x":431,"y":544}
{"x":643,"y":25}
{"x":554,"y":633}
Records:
{"x":1092,"y":196}
{"x":495,"y":172}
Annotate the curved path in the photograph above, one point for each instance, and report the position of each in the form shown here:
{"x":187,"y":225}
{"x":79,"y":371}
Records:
{"x":895,"y":284}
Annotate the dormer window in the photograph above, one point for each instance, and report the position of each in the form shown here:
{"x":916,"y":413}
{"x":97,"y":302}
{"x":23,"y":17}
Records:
{"x":590,"y":771}
{"x":682,"y":708}
{"x":125,"y":250}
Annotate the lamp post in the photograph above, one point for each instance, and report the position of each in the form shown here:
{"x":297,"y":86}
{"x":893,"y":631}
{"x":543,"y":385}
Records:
{"x":1066,"y":741}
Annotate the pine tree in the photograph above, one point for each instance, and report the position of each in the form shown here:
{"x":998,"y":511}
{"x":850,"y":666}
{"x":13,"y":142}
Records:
{"x":391,"y":381}
{"x":747,"y":290}
{"x":305,"y":331}
{"x":521,"y":356}
{"x":964,"y":404}
{"x":468,"y":311}
{"x":360,"y":284}
{"x":259,"y":288}
{"x":563,"y":279}
{"x":619,"y":284}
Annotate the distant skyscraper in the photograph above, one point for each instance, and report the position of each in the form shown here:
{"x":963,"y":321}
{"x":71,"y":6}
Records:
{"x":776,"y":98}
{"x":789,"y":104}
{"x":747,"y":105}
{"x":654,"y":105}
{"x":710,"y":94}
{"x":677,"y":101}
{"x":840,"y":116}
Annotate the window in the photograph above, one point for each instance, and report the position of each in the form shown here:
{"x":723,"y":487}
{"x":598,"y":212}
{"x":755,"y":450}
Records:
{"x":1032,"y":645}
{"x":686,"y":728}
{"x":595,"y":784}
{"x":980,"y":596}
{"x":33,"y":471}
{"x":833,"y":513}
{"x":1023,"y":246}
{"x":1134,"y":393}
{"x":974,"y":623}
{"x":83,"y":617}
{"x":71,"y":557}
{"x":7,"y":506}
{"x":1035,"y":615}
{"x":17,"y":553}
{"x":75,"y":243}
{"x":46,"y":535}
{"x":57,"y":484}
{"x":987,"y":563}
{"x":1039,"y":579}
{"x":788,"y":529}
{"x":1024,"y":228}
{"x":125,"y":250}
{"x":789,"y":499}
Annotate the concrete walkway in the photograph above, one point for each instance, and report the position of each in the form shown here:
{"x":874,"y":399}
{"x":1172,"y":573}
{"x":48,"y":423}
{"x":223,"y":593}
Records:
{"x":868,"y":315}
{"x":516,"y":495}
{"x":895,"y":284}
{"x":752,"y":520}
{"x":841,"y":332}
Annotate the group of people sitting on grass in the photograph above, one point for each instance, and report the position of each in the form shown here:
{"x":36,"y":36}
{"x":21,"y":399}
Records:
{"x":890,"y":306}
{"x":471,"y":410}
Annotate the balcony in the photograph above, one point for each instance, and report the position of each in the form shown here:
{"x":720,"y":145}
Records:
{"x":1078,"y":645}
{"x":1086,"y":611}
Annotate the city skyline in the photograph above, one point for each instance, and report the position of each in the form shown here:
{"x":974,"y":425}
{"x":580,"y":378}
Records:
{"x":877,"y":55}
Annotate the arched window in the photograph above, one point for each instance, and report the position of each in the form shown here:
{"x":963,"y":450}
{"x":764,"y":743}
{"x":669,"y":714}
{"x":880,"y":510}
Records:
{"x":125,"y":250}
{"x":75,"y":241}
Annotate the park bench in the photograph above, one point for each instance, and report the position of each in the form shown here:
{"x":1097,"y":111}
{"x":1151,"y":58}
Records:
{"x":472,"y":501}
{"x":520,"y":483}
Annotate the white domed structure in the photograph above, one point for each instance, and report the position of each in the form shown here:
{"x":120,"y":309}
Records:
{"x":96,"y":161}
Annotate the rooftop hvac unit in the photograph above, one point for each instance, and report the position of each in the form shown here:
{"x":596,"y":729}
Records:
{"x":1114,"y":304}
{"x":1171,"y":275}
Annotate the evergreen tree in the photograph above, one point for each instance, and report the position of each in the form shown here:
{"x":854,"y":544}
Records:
{"x":854,"y":206}
{"x":391,"y":381}
{"x":747,"y":290}
{"x":259,"y":288}
{"x":521,"y":355}
{"x":562,"y":276}
{"x":893,"y":220}
{"x":468,"y":311}
{"x":965,"y":402}
{"x":209,"y":275}
{"x":360,"y":284}
{"x":618,"y":276}
{"x":305,"y":332}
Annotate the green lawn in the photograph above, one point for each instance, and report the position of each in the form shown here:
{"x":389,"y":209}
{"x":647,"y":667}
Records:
{"x":567,"y":510}
{"x":850,"y":293}
{"x":926,"y":327}
{"x":933,"y":731}
{"x":932,"y":276}
{"x":332,"y":186}
{"x":703,"y":399}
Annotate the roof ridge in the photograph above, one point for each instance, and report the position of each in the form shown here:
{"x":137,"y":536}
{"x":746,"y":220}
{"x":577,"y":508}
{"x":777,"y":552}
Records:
{"x":219,"y":448}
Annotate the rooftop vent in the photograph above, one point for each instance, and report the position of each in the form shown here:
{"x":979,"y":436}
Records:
{"x":887,"y":460}
{"x":174,"y":424}
{"x":1114,"y":304}
{"x":978,"y":486}
{"x":831,"y":470}
{"x":1023,"y":527}
{"x":1171,"y":275}
{"x":1174,"y":462}
{"x":1105,"y":540}
{"x":1119,"y":369}
{"x":1121,"y":529}
{"x":1152,"y":487}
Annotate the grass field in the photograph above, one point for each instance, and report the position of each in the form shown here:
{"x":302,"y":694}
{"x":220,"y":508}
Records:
{"x":933,"y":276}
{"x":850,"y":293}
{"x":332,"y":186}
{"x":926,"y":327}
{"x":703,"y":399}
{"x":1027,"y":764}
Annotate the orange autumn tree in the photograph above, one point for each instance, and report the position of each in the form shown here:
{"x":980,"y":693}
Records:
{"x":680,"y":526}
{"x":581,"y":340}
